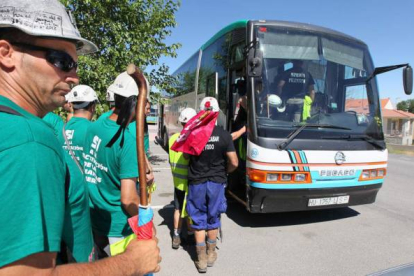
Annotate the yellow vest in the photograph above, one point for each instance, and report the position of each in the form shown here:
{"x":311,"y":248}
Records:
{"x":179,"y":165}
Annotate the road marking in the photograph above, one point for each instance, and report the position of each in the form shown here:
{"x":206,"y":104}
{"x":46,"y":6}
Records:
{"x":159,"y":153}
{"x":168,"y":206}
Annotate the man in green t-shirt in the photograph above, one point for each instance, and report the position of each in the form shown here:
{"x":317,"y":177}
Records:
{"x":83,"y":99}
{"x":37,"y":69}
{"x":111,"y":171}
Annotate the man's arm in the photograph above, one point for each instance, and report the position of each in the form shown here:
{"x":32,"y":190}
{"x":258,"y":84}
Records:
{"x":311,"y":91}
{"x":129,"y":196}
{"x":232,"y":161}
{"x":140,"y":258}
{"x":280,"y":87}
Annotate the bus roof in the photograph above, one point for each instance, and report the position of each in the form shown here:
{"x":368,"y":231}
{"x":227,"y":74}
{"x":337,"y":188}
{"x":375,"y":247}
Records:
{"x":279,"y":23}
{"x":232,"y":26}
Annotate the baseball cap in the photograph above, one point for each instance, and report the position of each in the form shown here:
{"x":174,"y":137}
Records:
{"x":43,"y":18}
{"x":209,"y":103}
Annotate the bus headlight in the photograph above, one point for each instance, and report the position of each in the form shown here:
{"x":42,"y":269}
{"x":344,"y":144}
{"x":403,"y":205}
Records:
{"x":372,"y":174}
{"x":300,"y":177}
{"x":286,"y":177}
{"x":271,"y":177}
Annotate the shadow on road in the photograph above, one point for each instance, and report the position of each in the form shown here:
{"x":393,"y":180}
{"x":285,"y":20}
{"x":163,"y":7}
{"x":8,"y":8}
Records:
{"x":238,"y":213}
{"x":167,"y":215}
{"x":156,"y":160}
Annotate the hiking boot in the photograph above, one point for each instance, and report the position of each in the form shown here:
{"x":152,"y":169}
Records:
{"x":201,"y":262}
{"x":176,"y":241}
{"x":211,"y":254}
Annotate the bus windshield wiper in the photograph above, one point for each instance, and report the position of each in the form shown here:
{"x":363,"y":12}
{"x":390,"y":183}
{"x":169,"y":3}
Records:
{"x":364,"y":137}
{"x":295,"y":133}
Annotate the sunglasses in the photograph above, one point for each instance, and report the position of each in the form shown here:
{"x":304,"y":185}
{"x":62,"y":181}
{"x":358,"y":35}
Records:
{"x":59,"y":59}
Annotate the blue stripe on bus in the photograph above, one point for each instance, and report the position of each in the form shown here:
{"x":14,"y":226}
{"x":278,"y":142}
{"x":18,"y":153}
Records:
{"x":320,"y":185}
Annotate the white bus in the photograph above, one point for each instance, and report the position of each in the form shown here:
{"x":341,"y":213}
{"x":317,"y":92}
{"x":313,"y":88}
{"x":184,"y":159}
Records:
{"x":335,"y":156}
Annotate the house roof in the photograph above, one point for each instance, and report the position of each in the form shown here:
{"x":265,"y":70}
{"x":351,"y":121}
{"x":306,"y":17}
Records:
{"x":384,"y":102}
{"x":393,"y":113}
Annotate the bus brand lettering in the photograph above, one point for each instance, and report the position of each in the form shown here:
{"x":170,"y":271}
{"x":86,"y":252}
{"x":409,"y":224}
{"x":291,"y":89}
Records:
{"x":337,"y":172}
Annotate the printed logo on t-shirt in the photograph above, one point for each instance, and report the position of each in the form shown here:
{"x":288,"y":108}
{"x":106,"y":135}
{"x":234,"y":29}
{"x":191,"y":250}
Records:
{"x":213,"y":139}
{"x":91,"y":165}
{"x":297,"y":78}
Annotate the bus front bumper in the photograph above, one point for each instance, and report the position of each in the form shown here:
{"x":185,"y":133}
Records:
{"x":288,"y":200}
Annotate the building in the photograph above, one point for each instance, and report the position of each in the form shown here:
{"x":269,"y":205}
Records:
{"x":397,"y":124}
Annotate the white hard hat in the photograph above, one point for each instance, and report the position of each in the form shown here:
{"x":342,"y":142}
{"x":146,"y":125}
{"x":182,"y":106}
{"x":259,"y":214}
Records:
{"x":124,"y":85}
{"x":186,"y":115}
{"x":209,"y":103}
{"x":276,"y":101}
{"x":110,"y":97}
{"x":82,"y":93}
{"x":43,"y":18}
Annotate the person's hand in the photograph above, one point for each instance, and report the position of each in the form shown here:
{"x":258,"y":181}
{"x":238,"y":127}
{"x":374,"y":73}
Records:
{"x":68,"y":107}
{"x":145,"y":254}
{"x":234,"y":136}
{"x":149,"y":177}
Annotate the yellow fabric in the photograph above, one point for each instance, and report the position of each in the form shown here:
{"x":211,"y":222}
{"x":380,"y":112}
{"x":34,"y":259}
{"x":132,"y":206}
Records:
{"x":307,"y":104}
{"x":120,"y":246}
{"x":179,"y":165}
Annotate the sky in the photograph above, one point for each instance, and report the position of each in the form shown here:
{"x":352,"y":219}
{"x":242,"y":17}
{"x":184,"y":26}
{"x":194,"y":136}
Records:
{"x":386,"y":26}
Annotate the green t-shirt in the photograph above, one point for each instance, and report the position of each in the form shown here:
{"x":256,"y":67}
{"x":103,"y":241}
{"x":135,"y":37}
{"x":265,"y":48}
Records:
{"x":105,"y":115}
{"x":55,"y":121}
{"x":104,"y":168}
{"x":132,"y":127}
{"x":77,"y":230}
{"x":32,"y":177}
{"x":75,"y":130}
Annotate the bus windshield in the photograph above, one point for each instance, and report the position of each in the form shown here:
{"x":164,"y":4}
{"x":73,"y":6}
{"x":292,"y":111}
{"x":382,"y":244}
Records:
{"x":315,"y":78}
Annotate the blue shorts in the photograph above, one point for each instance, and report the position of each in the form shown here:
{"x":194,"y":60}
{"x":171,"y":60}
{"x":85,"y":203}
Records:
{"x":205,"y":203}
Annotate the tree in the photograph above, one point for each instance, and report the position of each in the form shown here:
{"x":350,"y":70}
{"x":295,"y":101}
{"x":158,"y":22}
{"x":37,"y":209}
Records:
{"x":407,"y":105}
{"x":125,"y":31}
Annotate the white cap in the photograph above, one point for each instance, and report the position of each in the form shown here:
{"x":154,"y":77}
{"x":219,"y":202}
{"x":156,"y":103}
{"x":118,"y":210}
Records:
{"x":110,"y":97}
{"x":81,"y":93}
{"x":209,"y":103}
{"x":186,"y":115}
{"x":276,"y":101}
{"x":124,"y":85}
{"x":43,"y":18}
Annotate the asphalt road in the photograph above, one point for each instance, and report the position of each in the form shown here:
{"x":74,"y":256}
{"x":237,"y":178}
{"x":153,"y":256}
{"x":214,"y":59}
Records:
{"x":347,"y":241}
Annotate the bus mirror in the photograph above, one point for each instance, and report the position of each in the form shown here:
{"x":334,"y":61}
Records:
{"x":255,"y":63}
{"x":408,"y":79}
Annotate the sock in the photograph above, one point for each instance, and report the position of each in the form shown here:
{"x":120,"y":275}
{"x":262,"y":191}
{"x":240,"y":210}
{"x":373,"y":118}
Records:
{"x":201,"y":244}
{"x":211,"y":241}
{"x":177,"y":232}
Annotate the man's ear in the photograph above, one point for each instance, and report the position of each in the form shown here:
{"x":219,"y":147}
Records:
{"x":6,"y":55}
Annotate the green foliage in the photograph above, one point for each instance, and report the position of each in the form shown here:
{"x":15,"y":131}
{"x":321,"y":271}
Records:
{"x":407,"y":105}
{"x":125,"y":31}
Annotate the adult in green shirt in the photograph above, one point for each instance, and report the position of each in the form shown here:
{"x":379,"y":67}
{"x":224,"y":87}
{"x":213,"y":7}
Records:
{"x":83,"y":99}
{"x":77,"y":229}
{"x":55,"y":121}
{"x":37,"y":69}
{"x":111,"y":171}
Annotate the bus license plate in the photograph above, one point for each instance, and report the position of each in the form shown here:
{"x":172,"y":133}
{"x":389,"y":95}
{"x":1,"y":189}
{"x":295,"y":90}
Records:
{"x":328,"y":201}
